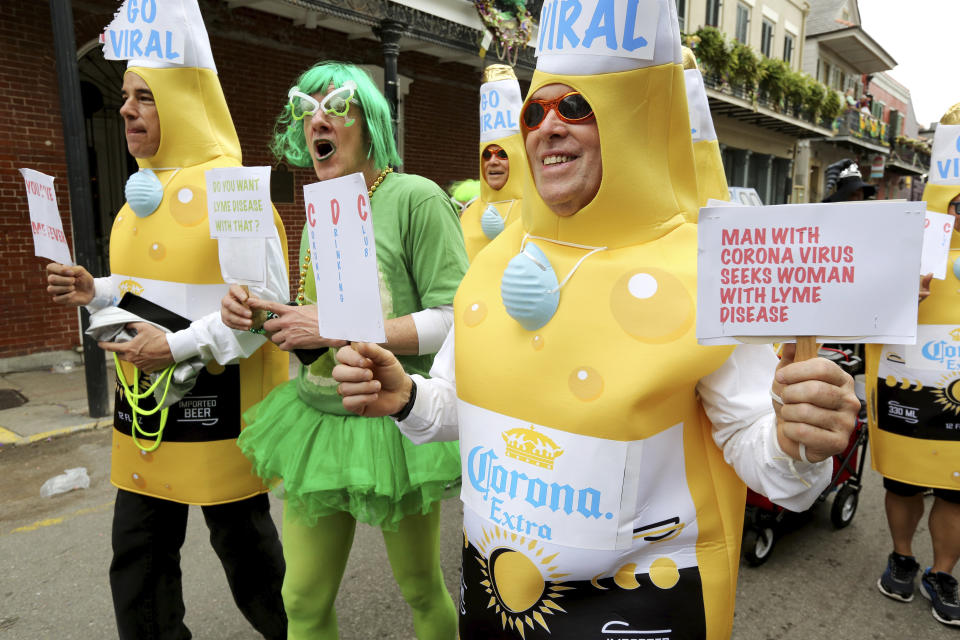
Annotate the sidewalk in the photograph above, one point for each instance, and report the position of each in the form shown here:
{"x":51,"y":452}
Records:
{"x":56,"y":405}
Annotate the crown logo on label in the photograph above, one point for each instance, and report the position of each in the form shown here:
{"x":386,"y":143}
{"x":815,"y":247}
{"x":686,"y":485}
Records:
{"x":526,"y":445}
{"x":131,"y":286}
{"x":955,"y":334}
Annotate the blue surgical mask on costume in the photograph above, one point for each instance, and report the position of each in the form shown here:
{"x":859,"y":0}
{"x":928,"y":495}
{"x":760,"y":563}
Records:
{"x":956,"y":268}
{"x":529,"y":287}
{"x":490,"y":222}
{"x":144,"y":192}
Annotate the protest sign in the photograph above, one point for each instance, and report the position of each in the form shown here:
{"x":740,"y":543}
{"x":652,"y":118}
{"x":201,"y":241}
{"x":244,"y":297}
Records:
{"x":937,"y":232}
{"x":624,"y":29}
{"x":841,"y":272}
{"x":146,"y":30}
{"x":238,"y":202}
{"x":241,"y":218}
{"x":344,"y":259}
{"x":49,"y":241}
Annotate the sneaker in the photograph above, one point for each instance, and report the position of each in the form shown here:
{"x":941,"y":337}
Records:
{"x":941,"y":590}
{"x":897,"y":581}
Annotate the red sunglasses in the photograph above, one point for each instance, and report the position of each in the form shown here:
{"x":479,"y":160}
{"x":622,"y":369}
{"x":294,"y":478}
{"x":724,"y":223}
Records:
{"x":571,"y":108}
{"x":487,"y":154}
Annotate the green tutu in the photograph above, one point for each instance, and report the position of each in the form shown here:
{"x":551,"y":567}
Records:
{"x":329,"y":463}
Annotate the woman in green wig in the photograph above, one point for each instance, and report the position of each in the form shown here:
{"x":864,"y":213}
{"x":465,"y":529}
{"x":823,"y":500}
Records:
{"x":337,"y":468}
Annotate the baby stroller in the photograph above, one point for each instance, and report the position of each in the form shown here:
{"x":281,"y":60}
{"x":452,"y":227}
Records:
{"x":763,"y":520}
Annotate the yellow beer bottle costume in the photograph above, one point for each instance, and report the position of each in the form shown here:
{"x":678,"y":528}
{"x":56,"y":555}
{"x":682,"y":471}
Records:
{"x":595,"y":500}
{"x":500,"y":102}
{"x":169,"y":258}
{"x":711,"y":178}
{"x":913,"y":393}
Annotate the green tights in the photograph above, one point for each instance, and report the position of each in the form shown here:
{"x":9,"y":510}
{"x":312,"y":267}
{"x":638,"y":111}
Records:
{"x":317,"y":556}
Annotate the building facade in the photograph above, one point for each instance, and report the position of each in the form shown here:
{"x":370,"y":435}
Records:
{"x":260,"y":47}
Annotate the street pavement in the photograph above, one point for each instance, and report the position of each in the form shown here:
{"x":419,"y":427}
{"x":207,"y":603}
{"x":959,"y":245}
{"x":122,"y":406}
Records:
{"x":54,"y":552}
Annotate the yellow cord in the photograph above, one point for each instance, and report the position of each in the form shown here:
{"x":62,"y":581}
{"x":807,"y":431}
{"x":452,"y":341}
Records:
{"x":133,"y":399}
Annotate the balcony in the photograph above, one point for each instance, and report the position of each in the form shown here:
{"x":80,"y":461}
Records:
{"x":862,"y":130}
{"x":745,"y":106}
{"x":907,"y":158}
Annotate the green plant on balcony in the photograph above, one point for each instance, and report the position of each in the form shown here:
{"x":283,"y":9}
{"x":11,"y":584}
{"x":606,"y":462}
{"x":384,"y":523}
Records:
{"x":831,"y":107}
{"x":795,"y":91}
{"x":713,"y":55}
{"x":813,"y":100}
{"x":773,"y":83}
{"x":744,"y":68}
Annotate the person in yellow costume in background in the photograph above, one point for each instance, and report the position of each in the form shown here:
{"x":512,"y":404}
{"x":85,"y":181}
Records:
{"x":711,"y":179}
{"x":599,"y":500}
{"x":177,"y":126}
{"x":500,"y":145}
{"x":913,"y":398}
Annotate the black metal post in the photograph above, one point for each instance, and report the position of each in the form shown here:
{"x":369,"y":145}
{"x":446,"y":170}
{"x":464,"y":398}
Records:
{"x":78,"y":180}
{"x":389,"y":33}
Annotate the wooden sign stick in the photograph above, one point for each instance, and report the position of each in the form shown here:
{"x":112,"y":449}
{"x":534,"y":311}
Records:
{"x":807,"y":348}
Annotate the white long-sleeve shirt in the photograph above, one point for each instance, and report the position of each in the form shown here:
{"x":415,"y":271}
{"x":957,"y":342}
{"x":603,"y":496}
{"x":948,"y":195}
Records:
{"x":736,"y":398}
{"x":207,"y":336}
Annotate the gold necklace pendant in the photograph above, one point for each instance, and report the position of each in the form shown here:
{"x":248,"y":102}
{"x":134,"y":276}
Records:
{"x":305,"y":267}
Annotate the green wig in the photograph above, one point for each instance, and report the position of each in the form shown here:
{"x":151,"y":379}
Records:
{"x":289,"y":142}
{"x":465,"y":191}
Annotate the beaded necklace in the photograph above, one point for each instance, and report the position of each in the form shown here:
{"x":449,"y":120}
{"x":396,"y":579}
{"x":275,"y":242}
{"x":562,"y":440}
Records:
{"x":305,"y":266}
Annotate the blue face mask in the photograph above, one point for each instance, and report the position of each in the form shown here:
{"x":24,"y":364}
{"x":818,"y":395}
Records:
{"x":529,"y":287}
{"x":490,"y":222}
{"x":144,"y":192}
{"x":956,"y":268}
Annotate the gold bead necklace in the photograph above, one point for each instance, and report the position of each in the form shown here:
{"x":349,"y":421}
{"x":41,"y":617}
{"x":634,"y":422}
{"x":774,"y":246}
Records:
{"x":305,"y":266}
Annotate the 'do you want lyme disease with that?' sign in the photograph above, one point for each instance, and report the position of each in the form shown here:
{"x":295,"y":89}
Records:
{"x":840,"y":272}
{"x":241,"y":220}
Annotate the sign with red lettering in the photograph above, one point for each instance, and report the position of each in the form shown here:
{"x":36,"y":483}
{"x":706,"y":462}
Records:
{"x":344,"y":259}
{"x":840,"y":271}
{"x":937,"y":233}
{"x":49,"y":241}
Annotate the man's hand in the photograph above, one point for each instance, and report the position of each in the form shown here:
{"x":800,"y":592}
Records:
{"x":234,"y":311}
{"x":925,"y":286}
{"x":148,"y":351}
{"x":69,"y":285}
{"x":819,"y":406}
{"x":372,"y":380}
{"x":294,"y":327}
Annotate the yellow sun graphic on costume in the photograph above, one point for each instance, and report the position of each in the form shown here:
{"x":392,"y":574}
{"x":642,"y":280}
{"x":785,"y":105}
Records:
{"x":515,"y":581}
{"x":947,"y":393}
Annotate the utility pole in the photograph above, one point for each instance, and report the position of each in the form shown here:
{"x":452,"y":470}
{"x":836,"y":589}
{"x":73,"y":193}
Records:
{"x":78,"y":180}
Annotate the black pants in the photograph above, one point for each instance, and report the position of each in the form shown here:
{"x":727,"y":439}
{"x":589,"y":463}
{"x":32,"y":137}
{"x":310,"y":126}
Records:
{"x":145,"y":572}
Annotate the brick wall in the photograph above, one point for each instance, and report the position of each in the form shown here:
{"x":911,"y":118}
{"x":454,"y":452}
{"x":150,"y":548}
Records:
{"x":258,"y":57}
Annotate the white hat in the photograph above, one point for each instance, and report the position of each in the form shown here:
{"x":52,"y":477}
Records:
{"x":945,"y":156}
{"x":158,"y":34}
{"x":589,"y":37}
{"x":701,"y":122}
{"x":500,"y":103}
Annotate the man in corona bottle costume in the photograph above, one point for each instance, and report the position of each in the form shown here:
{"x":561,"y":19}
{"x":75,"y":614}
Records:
{"x":913,"y":398}
{"x":501,"y":148}
{"x":178,"y":126}
{"x":598,"y":499}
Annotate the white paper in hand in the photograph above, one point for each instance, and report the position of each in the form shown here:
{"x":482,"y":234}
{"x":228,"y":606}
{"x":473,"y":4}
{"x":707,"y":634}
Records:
{"x":937,"y":232}
{"x":344,"y":259}
{"x":49,"y":241}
